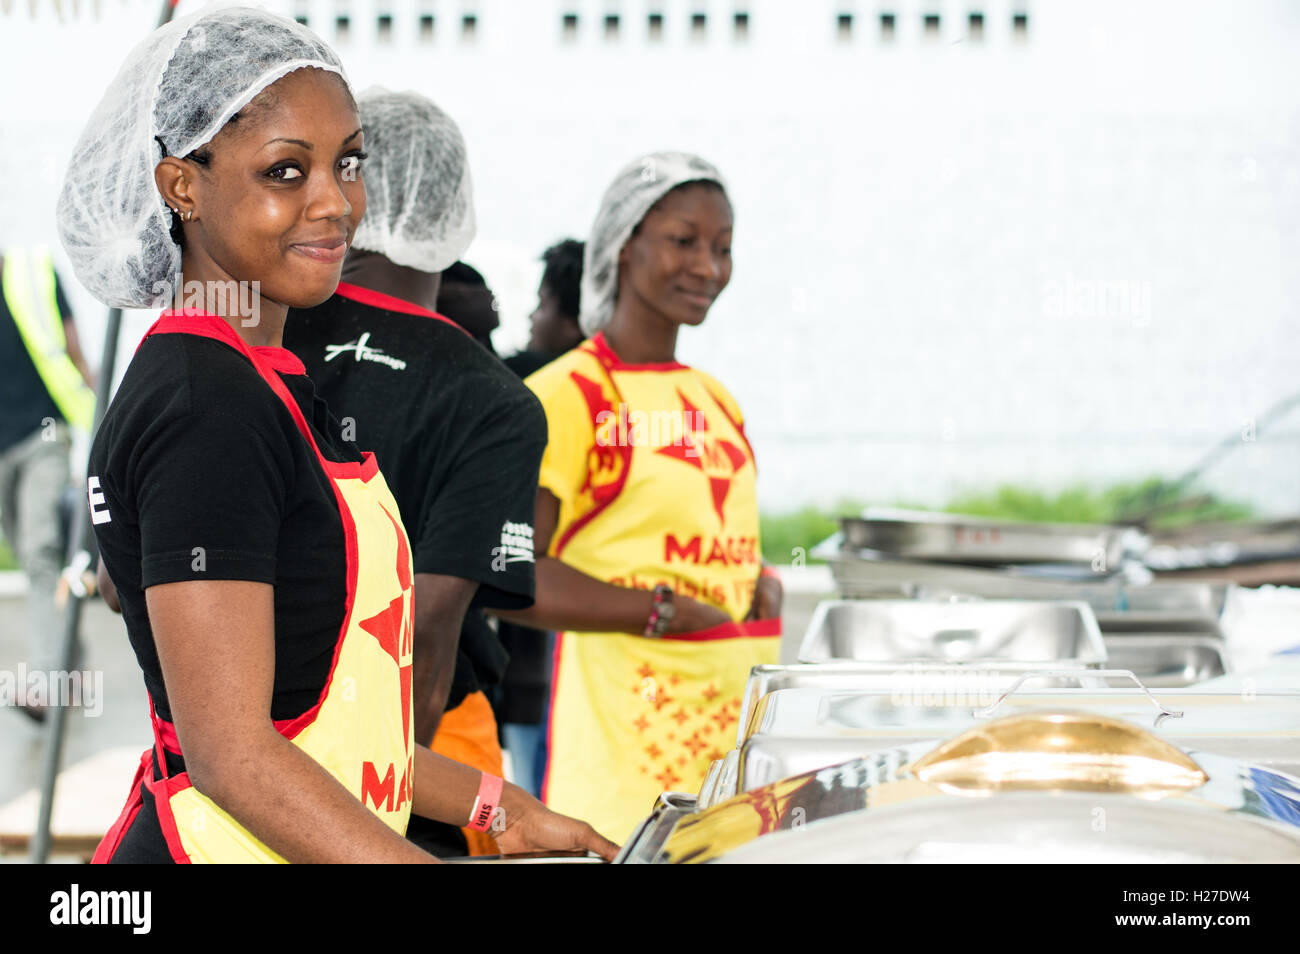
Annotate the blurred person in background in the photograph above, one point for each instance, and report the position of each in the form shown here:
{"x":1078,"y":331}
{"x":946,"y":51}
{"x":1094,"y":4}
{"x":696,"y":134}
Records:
{"x":523,"y":697}
{"x":45,"y":386}
{"x":465,"y":298}
{"x":554,"y":327}
{"x":647,"y":511}
{"x":457,"y":436}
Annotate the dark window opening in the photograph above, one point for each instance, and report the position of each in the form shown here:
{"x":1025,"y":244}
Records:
{"x":655,"y":26}
{"x":468,"y":26}
{"x":931,"y":24}
{"x":844,"y":26}
{"x":741,"y":26}
{"x":341,"y":25}
{"x":569,"y":26}
{"x":301,"y":18}
{"x":976,"y":21}
{"x":611,"y":26}
{"x":1020,"y":24}
{"x":886,"y":26}
{"x":699,"y":22}
{"x":426,"y":27}
{"x":385,"y":28}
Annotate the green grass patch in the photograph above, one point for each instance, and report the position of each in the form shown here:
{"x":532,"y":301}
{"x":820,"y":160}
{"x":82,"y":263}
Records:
{"x":1157,"y":503}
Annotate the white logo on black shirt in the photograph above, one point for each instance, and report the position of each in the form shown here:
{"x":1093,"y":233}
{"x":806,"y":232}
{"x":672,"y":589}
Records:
{"x":517,"y":542}
{"x":95,"y":496}
{"x":364,"y":352}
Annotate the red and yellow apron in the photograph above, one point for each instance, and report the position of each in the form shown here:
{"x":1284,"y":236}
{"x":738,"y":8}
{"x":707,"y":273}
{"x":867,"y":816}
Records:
{"x":655,"y":479}
{"x":360,"y":730}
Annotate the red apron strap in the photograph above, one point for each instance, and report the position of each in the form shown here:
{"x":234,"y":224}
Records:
{"x":113,"y":837}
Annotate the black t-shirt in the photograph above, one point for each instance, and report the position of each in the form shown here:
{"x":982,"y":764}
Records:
{"x":456,"y":435}
{"x":205,"y":476}
{"x":24,"y":400}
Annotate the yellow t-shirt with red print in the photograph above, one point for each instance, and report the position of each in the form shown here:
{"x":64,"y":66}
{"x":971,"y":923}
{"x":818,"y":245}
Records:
{"x":656,"y":483}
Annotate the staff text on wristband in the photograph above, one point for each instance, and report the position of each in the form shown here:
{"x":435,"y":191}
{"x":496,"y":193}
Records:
{"x":485,"y":805}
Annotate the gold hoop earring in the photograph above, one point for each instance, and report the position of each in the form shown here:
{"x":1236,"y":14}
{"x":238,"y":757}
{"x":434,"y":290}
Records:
{"x":189,"y":216}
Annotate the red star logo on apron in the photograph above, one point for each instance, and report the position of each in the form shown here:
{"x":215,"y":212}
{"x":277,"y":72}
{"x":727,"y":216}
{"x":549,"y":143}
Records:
{"x":388,"y":626}
{"x":718,"y":459}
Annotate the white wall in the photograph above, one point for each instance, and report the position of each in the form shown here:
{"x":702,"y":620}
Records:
{"x":920,"y":224}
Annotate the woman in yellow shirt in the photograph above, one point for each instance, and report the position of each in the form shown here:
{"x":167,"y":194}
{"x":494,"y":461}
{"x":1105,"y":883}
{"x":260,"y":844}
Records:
{"x":646,"y":513}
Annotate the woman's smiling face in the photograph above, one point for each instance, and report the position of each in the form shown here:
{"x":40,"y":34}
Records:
{"x":282,"y":194}
{"x":678,"y":259}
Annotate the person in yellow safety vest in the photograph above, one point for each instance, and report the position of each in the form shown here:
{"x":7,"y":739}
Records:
{"x":45,"y":386}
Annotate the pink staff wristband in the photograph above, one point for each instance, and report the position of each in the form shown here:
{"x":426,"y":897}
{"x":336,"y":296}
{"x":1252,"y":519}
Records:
{"x":485,"y":805}
{"x":769,"y":571}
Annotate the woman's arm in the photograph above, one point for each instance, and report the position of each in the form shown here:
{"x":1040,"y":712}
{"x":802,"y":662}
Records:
{"x":216,"y":646}
{"x":446,"y":791}
{"x":569,"y":599}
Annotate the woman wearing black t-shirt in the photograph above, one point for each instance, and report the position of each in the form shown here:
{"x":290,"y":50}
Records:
{"x":262,"y":572}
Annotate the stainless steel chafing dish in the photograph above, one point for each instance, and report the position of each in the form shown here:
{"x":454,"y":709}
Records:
{"x":1044,"y":785}
{"x":851,"y":676}
{"x":957,"y":538}
{"x":798,"y":730}
{"x":1006,"y":634}
{"x":1168,"y":660}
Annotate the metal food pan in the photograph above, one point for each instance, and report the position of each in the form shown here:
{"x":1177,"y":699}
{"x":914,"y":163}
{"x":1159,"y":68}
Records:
{"x":799,"y":730}
{"x":1113,"y":601}
{"x":997,"y":633}
{"x":858,"y":577}
{"x":1168,"y":660}
{"x":959,"y":538}
{"x":846,"y":677}
{"x":643,"y":845}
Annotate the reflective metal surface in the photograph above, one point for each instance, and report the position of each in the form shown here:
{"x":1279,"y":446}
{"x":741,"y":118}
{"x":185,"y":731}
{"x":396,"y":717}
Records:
{"x":1059,"y":751}
{"x":797,"y":730}
{"x":958,"y":538}
{"x":1143,"y":800}
{"x":910,"y":677}
{"x":1002,"y":633}
{"x":644,"y":845}
{"x":1168,"y":660}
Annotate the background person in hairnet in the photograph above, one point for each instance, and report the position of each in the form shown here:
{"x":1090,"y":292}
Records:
{"x":647,"y":516}
{"x":458,"y":437}
{"x":263,"y":575}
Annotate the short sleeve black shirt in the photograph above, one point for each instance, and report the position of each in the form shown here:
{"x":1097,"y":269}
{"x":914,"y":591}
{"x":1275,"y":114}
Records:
{"x":456,"y":435}
{"x":204,"y":475}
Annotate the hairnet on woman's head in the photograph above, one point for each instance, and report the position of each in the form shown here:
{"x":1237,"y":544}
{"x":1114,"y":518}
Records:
{"x":176,"y":90}
{"x":419,"y":197}
{"x":633,"y":192}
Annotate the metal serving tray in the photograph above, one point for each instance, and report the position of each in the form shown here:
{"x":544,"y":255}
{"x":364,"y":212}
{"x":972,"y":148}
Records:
{"x":648,"y":839}
{"x":957,"y":538}
{"x":989,"y":633}
{"x":890,"y":806}
{"x":1117,"y":605}
{"x":1167,"y":660}
{"x":846,"y":677}
{"x":798,"y":730}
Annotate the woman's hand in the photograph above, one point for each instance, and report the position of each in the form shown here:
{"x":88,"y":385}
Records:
{"x":531,"y":826}
{"x":768,"y":596}
{"x":690,"y":616}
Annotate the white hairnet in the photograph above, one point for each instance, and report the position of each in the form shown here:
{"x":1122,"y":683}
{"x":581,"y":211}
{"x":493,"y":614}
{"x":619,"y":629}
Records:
{"x":633,"y":192}
{"x":181,"y":84}
{"x":419,"y":198}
